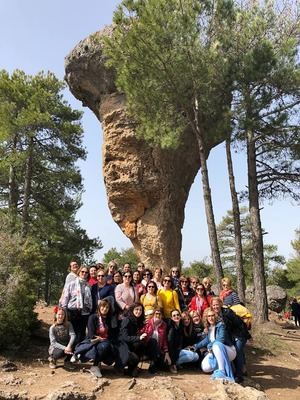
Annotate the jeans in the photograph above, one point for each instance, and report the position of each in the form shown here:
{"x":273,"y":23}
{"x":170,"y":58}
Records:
{"x":103,"y":349}
{"x":239,"y":361}
{"x":187,"y":356}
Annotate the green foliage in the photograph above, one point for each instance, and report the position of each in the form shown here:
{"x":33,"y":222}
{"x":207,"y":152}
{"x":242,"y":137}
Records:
{"x":40,"y":182}
{"x":169,"y":60}
{"x":122,"y":257}
{"x":227,"y":249}
{"x":199,"y":269}
{"x":19,"y":272}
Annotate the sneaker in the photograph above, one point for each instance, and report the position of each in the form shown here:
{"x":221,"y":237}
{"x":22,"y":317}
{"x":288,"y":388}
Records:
{"x":95,"y":370}
{"x":52,"y":363}
{"x":173,"y":369}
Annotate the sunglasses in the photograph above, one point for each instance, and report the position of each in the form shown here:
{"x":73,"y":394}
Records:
{"x":127,"y":276}
{"x":100,"y":276}
{"x":151,"y":287}
{"x":147,"y":273}
{"x":167,"y":280}
{"x":84,"y":272}
{"x":176,"y":315}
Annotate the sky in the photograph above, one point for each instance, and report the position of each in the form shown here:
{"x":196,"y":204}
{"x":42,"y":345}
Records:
{"x":36,"y":35}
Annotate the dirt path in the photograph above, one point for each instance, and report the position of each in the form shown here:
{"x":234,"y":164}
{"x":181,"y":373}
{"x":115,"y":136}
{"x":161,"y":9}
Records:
{"x":275,"y":371}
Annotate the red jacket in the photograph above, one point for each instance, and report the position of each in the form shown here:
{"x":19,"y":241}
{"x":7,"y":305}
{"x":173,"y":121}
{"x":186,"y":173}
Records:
{"x":162,"y":334}
{"x":205,"y":304}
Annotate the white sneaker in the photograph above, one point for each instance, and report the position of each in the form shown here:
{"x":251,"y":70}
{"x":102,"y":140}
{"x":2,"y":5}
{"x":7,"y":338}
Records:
{"x":94,"y":370}
{"x":73,"y":359}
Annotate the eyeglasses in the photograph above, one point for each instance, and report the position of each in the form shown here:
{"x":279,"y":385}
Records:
{"x":127,"y":276}
{"x":151,"y":287}
{"x":167,"y":280}
{"x":175,"y":272}
{"x":146,"y":273}
{"x":176,"y":315}
{"x":100,"y":276}
{"x":84,"y":272}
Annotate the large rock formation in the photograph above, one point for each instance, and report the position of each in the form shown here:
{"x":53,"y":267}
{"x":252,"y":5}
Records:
{"x":147,"y":187}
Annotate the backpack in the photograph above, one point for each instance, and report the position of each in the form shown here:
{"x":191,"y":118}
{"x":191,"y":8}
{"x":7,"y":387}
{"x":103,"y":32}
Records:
{"x":243,"y":313}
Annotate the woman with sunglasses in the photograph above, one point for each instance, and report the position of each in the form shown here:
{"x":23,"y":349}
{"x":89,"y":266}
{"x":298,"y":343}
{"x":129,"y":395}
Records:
{"x":147,"y":276}
{"x":150,"y":301}
{"x":77,"y":299}
{"x":221,"y":351}
{"x":200,"y":301}
{"x":185,"y":293}
{"x":101,"y":289}
{"x":227,"y":294}
{"x":126,"y":294}
{"x":168,"y":297}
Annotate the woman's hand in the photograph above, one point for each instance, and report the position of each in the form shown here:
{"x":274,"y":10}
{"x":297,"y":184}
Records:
{"x":68,"y":350}
{"x":167,"y":359}
{"x":143,"y":336}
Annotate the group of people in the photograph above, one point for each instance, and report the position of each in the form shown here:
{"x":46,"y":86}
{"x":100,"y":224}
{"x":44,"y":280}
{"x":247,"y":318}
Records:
{"x":120,"y":317}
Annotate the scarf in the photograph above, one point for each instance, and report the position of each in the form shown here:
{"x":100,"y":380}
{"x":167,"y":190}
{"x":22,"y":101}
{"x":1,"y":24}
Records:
{"x":224,"y":293}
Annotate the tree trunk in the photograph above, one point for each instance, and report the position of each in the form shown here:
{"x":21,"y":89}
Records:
{"x":237,"y":227}
{"x":27,"y":188}
{"x":13,"y":189}
{"x":210,"y":218}
{"x":260,"y":294}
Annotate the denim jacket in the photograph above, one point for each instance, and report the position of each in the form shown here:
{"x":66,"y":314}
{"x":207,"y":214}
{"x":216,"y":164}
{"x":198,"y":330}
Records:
{"x":221,"y":335}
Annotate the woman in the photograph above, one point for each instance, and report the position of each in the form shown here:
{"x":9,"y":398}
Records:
{"x":200,"y":301}
{"x":194,"y":282}
{"x":117,"y":278}
{"x":238,"y":332}
{"x":101,"y":289}
{"x":157,"y":278}
{"x":207,"y":282}
{"x":125,"y":294}
{"x":156,"y":329}
{"x":168,"y":297}
{"x":140,"y":288}
{"x":93,"y":275}
{"x":62,"y":338}
{"x":111,"y":270}
{"x":175,"y":338}
{"x":97,"y":347}
{"x":197,"y":326}
{"x":228,"y":296}
{"x":186,"y":354}
{"x":77,"y":299}
{"x":147,"y":276}
{"x":220,"y":348}
{"x":133,"y":344}
{"x":150,"y":300}
{"x":185,"y":293}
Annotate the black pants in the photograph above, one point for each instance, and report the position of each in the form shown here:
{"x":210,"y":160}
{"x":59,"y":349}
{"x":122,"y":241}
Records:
{"x":79,"y":323}
{"x":58,"y":353}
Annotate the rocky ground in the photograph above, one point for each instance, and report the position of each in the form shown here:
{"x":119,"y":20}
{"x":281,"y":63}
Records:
{"x":273,"y":360}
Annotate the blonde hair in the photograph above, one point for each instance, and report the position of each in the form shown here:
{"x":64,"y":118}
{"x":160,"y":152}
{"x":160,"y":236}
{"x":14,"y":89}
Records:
{"x":227,"y":280}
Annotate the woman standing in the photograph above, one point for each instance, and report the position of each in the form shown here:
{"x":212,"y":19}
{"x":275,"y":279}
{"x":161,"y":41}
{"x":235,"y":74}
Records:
{"x":220,"y":348}
{"x":77,"y":299}
{"x":175,"y":338}
{"x":185,"y":293}
{"x":126,"y":294}
{"x":150,"y":301}
{"x":168,"y":297}
{"x":157,"y":278}
{"x":62,"y":338}
{"x":200,"y":301}
{"x":137,"y":283}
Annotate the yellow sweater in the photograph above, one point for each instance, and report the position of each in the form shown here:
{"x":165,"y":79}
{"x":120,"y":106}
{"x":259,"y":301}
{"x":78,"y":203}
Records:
{"x":169,"y":301}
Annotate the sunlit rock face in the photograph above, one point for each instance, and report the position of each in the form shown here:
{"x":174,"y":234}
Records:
{"x":146,"y":187}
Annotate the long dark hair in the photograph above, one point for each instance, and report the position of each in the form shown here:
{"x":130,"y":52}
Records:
{"x":132,"y":317}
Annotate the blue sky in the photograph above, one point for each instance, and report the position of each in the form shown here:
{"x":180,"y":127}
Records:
{"x":36,"y":35}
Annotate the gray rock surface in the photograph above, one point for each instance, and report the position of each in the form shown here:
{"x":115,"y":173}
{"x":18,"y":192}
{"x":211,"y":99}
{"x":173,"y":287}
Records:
{"x":276,"y":298}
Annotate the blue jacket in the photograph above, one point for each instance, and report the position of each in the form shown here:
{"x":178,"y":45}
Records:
{"x":221,"y":335}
